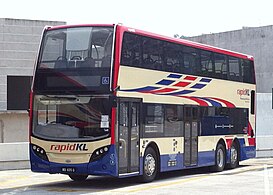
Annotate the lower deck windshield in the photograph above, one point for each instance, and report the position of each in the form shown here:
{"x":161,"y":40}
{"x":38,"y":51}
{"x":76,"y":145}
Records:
{"x":71,"y":117}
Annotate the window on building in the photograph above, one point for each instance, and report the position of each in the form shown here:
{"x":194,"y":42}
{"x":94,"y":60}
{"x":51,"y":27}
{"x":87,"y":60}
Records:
{"x":18,"y":89}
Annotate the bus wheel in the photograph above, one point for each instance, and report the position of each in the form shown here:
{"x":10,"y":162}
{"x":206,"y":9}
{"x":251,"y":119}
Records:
{"x":234,"y":156}
{"x":78,"y":177}
{"x":150,"y":165}
{"x":220,"y":158}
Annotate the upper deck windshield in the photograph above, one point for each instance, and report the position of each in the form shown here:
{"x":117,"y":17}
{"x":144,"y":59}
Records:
{"x":75,"y":59}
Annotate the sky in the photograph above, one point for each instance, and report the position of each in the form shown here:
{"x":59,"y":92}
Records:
{"x":166,"y":17}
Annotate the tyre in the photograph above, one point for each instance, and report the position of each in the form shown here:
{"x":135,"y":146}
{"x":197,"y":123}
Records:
{"x":150,"y":165}
{"x":220,"y":158}
{"x":78,"y":177}
{"x":234,"y":156}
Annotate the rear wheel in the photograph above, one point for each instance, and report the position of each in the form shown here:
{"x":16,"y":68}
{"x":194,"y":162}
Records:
{"x":150,"y":165}
{"x":78,"y":177}
{"x":220,"y":158}
{"x":234,"y":156}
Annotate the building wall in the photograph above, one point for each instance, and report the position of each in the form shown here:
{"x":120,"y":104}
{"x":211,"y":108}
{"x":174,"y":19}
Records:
{"x":19,"y":42}
{"x":258,"y":42}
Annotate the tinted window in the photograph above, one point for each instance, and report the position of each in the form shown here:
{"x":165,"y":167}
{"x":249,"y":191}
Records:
{"x":173,"y":120}
{"x":154,"y":118}
{"x":234,"y":69}
{"x":248,"y":71}
{"x":173,"y":54}
{"x":223,"y":121}
{"x":152,"y":53}
{"x":191,"y":60}
{"x":220,"y":66}
{"x":207,"y":67}
{"x":155,"y":54}
{"x":131,"y":50}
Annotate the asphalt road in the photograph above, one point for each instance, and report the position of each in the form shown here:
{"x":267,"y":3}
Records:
{"x":254,"y":176}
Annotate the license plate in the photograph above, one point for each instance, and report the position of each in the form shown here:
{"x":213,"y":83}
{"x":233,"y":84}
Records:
{"x":68,"y":169}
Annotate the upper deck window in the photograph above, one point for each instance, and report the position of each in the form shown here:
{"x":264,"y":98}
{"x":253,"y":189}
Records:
{"x":156,"y":54}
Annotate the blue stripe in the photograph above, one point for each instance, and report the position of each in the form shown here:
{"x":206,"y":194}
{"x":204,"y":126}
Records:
{"x":165,"y":82}
{"x":198,"y":86}
{"x":149,"y":88}
{"x":175,"y":76}
{"x":214,"y":103}
{"x":205,"y":80}
{"x":183,"y":92}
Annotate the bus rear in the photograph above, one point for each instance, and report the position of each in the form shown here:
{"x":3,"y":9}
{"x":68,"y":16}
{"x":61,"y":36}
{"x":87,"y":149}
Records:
{"x":71,"y":103}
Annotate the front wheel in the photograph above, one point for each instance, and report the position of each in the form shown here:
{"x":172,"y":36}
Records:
{"x":78,"y":177}
{"x":220,"y":158}
{"x":150,"y":165}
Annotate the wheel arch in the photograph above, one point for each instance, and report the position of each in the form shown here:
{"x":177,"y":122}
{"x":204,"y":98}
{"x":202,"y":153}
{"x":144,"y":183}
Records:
{"x":221,"y":141}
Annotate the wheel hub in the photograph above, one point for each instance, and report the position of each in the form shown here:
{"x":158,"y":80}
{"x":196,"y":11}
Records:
{"x":234,"y":155}
{"x":149,"y":165}
{"x":220,"y":158}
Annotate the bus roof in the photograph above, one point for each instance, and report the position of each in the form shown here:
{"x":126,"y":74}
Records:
{"x":165,"y":38}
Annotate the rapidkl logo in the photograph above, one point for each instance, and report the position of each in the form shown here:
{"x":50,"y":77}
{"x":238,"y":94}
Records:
{"x":243,"y":93}
{"x":69,"y":147}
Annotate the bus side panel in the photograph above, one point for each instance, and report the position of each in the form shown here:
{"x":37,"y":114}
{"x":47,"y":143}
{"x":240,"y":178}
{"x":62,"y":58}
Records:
{"x":248,"y":150}
{"x":171,"y":162}
{"x":206,"y":158}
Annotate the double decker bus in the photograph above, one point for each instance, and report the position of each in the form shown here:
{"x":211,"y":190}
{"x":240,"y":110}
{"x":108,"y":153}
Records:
{"x":113,"y":100}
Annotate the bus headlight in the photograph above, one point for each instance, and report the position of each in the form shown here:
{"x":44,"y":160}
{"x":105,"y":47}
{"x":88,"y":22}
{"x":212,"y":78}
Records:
{"x":40,"y":152}
{"x":99,"y":153}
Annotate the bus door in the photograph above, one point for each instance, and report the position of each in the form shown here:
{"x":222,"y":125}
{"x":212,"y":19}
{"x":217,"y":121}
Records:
{"x":128,"y":135}
{"x":191,"y":135}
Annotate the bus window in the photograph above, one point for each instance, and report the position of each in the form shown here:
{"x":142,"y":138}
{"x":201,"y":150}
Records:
{"x":191,"y":60}
{"x":131,"y":50}
{"x":206,"y":63}
{"x":154,"y":119}
{"x":220,"y":66}
{"x":173,"y":57}
{"x":248,"y":71}
{"x":173,"y":125}
{"x":234,"y":69}
{"x":152,"y":53}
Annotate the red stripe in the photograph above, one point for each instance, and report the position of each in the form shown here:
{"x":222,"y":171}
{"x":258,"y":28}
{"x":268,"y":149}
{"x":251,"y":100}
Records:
{"x":197,"y":100}
{"x":30,"y":114}
{"x":252,"y":141}
{"x":190,"y":78}
{"x":182,"y":84}
{"x":113,"y":121}
{"x":162,"y":90}
{"x":227,"y":103}
{"x":116,"y":57}
{"x":229,"y":143}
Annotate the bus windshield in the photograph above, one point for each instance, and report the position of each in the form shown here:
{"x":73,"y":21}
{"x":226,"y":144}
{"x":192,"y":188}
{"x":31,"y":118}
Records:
{"x":75,"y":59}
{"x":71,"y":117}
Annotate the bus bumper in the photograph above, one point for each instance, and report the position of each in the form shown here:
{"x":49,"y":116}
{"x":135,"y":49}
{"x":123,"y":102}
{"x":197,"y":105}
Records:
{"x":107,"y":165}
